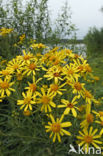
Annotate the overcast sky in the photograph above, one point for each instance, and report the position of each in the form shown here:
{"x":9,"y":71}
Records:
{"x":85,"y":13}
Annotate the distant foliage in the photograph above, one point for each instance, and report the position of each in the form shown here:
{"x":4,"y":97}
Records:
{"x":94,"y":42}
{"x":32,"y":18}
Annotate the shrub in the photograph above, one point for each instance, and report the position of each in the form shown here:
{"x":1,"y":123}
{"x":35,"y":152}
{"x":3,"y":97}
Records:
{"x":94,"y":42}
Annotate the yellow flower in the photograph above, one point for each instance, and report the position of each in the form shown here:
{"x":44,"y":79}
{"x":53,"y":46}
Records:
{"x":56,"y":88}
{"x":66,"y":52}
{"x":46,"y":100}
{"x":33,"y":86}
{"x":39,"y":46}
{"x":77,"y":87}
{"x":89,"y":138}
{"x":27,"y":57}
{"x":71,"y":71}
{"x":27,"y":102}
{"x":31,"y":68}
{"x":5,"y":73}
{"x":70,"y":106}
{"x":89,"y":118}
{"x":88,"y":96}
{"x":56,"y":58}
{"x":80,"y":65}
{"x":56,"y":128}
{"x":4,"y":31}
{"x":22,"y":37}
{"x":5,"y":87}
{"x":27,"y":113}
{"x":54,"y":73}
{"x":88,"y":69}
{"x":96,"y":78}
{"x":15,"y":65}
{"x":19,"y":75}
{"x":98,"y":114}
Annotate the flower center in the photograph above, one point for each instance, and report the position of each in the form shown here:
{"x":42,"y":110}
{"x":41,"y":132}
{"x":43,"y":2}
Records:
{"x":52,"y":58}
{"x":70,"y":71}
{"x":68,"y":51}
{"x":16,"y":66}
{"x":78,"y":86}
{"x":80,"y":68}
{"x":4,"y":85}
{"x":26,"y":57}
{"x":70,"y":105}
{"x":33,"y":87}
{"x":88,"y":94}
{"x":100,"y":113}
{"x":56,"y":62}
{"x":56,"y":127}
{"x":45,"y":99}
{"x":76,"y":56}
{"x":27,"y":100}
{"x":54,"y":87}
{"x":32,"y":66}
{"x":90,"y":118}
{"x":101,"y":123}
{"x":88,"y":139}
{"x":5,"y":72}
{"x":56,"y":74}
{"x":88,"y":68}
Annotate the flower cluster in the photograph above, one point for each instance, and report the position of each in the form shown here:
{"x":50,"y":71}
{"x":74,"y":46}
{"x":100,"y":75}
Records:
{"x":54,"y":82}
{"x":4,"y":31}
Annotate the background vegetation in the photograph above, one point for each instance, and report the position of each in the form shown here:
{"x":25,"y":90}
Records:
{"x":33,"y":19}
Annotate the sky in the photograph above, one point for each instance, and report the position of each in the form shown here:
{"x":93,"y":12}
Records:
{"x":85,"y":13}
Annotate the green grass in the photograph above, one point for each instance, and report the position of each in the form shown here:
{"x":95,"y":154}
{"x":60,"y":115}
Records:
{"x":97,"y":66}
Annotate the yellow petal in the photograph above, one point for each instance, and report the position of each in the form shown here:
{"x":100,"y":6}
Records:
{"x":52,"y":118}
{"x":58,"y":136}
{"x":66,"y":132}
{"x":74,"y":112}
{"x":66,"y":124}
{"x":54,"y":138}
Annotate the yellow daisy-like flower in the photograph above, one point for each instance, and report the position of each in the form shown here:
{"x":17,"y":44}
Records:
{"x":15,"y":65}
{"x":27,"y":102}
{"x":89,"y":138}
{"x":56,"y":58}
{"x":77,"y":87}
{"x":27,"y":57}
{"x":19,"y":75}
{"x":88,"y":96}
{"x":31,"y":68}
{"x":66,"y":52}
{"x":39,"y":46}
{"x":56,"y":128}
{"x":98,"y":114}
{"x":4,"y":31}
{"x":5,"y":87}
{"x":70,"y":106}
{"x":46,"y":100}
{"x":56,"y":88}
{"x":33,"y":86}
{"x":88,"y":118}
{"x":71,"y":71}
{"x":80,"y":65}
{"x":54,"y":73}
{"x":5,"y":73}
